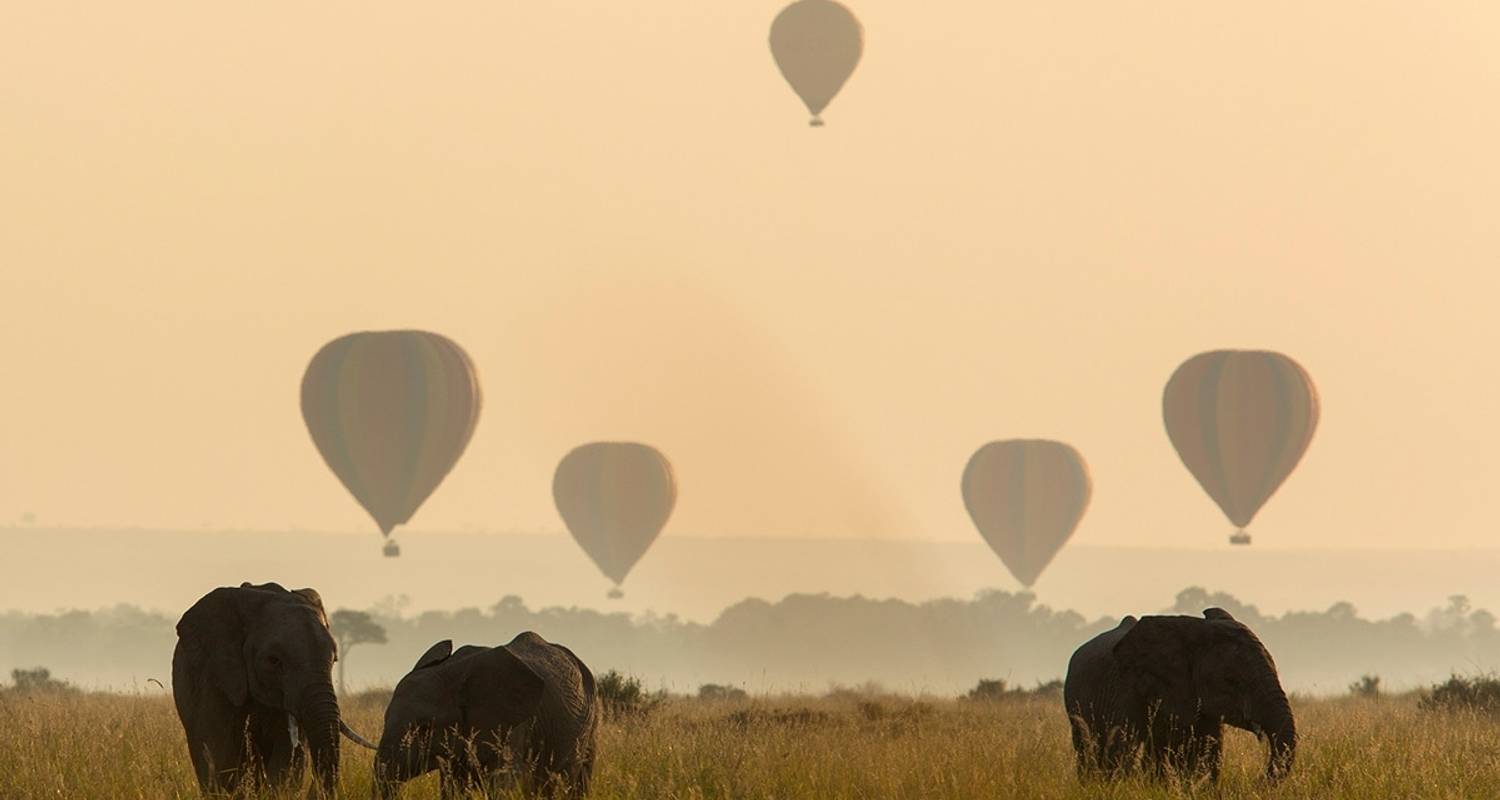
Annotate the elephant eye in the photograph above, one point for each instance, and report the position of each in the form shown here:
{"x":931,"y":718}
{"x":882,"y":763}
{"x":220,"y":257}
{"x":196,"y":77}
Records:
{"x":275,"y":661}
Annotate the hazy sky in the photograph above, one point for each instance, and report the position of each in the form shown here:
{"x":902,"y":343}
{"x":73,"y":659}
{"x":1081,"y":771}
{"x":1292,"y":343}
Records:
{"x":1019,"y":219}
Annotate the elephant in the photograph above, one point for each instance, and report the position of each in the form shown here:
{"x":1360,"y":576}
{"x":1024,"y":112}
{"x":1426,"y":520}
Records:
{"x":1169,"y":684}
{"x":522,"y":714}
{"x":252,"y":681}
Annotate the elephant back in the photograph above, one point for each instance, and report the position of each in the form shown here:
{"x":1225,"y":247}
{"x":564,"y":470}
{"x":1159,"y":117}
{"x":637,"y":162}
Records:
{"x":1091,"y":667}
{"x":567,"y":720}
{"x":567,"y":692}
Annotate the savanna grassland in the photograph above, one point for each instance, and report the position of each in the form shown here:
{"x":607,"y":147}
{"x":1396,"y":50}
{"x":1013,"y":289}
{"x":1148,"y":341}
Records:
{"x":60,"y":745}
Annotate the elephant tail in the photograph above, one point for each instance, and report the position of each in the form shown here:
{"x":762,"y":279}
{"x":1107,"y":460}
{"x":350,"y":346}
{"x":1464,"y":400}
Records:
{"x":354,"y":737}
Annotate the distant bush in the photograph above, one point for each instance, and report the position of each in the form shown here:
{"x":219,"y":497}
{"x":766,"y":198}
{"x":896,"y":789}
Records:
{"x":1476,"y":693}
{"x":995,"y":689}
{"x":38,"y":679}
{"x":781,"y":717}
{"x":624,"y":696}
{"x":1367,"y":686}
{"x":856,"y":694}
{"x":714,"y":691}
{"x":1044,"y":689}
{"x":893,"y":711}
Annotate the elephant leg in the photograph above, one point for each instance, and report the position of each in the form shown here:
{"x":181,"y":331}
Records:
{"x":459,"y":777}
{"x":583,"y":775}
{"x":1211,"y":752}
{"x":1116,"y":749}
{"x":1191,"y":753}
{"x":279,"y":762}
{"x":218,"y":753}
{"x":1202,"y":750}
{"x":1164,"y":754}
{"x":1085,"y":748}
{"x":1170,"y":747}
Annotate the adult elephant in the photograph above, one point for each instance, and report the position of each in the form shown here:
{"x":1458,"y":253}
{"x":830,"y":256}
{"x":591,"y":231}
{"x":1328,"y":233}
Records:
{"x":522,"y":713}
{"x":1169,"y":684}
{"x":252,"y":679}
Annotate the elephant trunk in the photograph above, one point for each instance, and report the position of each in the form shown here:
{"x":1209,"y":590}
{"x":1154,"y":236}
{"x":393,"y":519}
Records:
{"x":398,"y":759}
{"x":321,"y":722}
{"x":1280,"y":731}
{"x":386,"y":778}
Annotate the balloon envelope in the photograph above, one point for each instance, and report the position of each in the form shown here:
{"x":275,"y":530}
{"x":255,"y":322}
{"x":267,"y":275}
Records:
{"x":816,"y":44}
{"x":615,"y":497}
{"x":1026,"y":497}
{"x":1240,"y":420}
{"x":391,"y":412}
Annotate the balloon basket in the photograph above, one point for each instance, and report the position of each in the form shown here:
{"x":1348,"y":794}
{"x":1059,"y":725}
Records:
{"x":616,"y":593}
{"x":1239,"y":537}
{"x":391,"y":550}
{"x":815,"y":122}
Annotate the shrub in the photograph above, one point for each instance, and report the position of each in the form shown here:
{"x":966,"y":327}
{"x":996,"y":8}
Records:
{"x":988,"y":689}
{"x":1367,"y":686}
{"x":869,"y":690}
{"x":38,"y":679}
{"x":1476,"y":693}
{"x":783,"y":717}
{"x":1048,"y":689}
{"x":995,"y":689}
{"x":714,"y":691}
{"x":623,"y":695}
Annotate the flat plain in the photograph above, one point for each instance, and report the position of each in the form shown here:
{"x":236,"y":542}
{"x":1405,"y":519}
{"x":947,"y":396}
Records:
{"x":75,"y":745}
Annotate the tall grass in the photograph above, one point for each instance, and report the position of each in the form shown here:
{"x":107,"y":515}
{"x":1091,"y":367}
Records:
{"x":871,"y":747}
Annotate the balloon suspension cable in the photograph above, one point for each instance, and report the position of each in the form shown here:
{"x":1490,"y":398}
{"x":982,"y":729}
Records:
{"x":1239,"y":537}
{"x":815,"y":122}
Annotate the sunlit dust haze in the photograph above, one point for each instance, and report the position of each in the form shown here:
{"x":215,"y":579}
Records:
{"x":1018,"y":220}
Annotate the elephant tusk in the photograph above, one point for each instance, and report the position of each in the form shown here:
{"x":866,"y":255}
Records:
{"x":291,"y":729}
{"x":354,"y":737}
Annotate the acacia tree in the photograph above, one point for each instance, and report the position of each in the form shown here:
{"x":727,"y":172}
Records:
{"x":352,"y":628}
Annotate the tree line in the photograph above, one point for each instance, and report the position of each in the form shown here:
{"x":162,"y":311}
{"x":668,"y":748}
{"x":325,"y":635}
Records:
{"x":802,"y":643}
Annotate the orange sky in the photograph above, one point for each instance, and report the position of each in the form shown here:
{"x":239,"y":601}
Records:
{"x":1019,"y":219}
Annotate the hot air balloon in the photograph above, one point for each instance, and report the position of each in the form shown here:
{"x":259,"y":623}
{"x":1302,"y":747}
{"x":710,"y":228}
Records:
{"x":816,"y":44}
{"x":391,"y":412}
{"x":1026,"y":496}
{"x":614,"y":497}
{"x":1240,"y":420}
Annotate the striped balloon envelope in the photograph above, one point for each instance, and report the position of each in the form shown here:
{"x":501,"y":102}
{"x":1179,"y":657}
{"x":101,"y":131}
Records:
{"x":391,"y":413}
{"x":1026,"y":497}
{"x":1240,"y":420}
{"x":615,"y":497}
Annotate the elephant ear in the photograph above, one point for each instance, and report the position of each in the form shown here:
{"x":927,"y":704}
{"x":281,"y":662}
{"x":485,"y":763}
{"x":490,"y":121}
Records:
{"x":499,"y":691}
{"x":1158,"y":651}
{"x":312,"y":598}
{"x":1217,"y":615}
{"x":435,"y":654}
{"x":213,"y":631}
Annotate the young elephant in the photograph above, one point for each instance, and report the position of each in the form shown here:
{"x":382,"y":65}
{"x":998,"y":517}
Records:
{"x":1170,"y":684}
{"x":525,"y":712}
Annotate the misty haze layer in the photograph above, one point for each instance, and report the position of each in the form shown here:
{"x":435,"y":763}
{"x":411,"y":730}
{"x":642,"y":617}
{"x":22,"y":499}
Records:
{"x":688,"y":601}
{"x":804,"y":643}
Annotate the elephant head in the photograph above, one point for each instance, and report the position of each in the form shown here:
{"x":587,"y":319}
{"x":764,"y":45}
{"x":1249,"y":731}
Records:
{"x":1212,"y":669}
{"x":452,"y":702}
{"x":269,"y":652}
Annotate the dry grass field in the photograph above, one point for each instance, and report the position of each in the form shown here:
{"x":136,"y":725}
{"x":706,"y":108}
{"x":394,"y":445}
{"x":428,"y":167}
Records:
{"x":118,"y":746}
